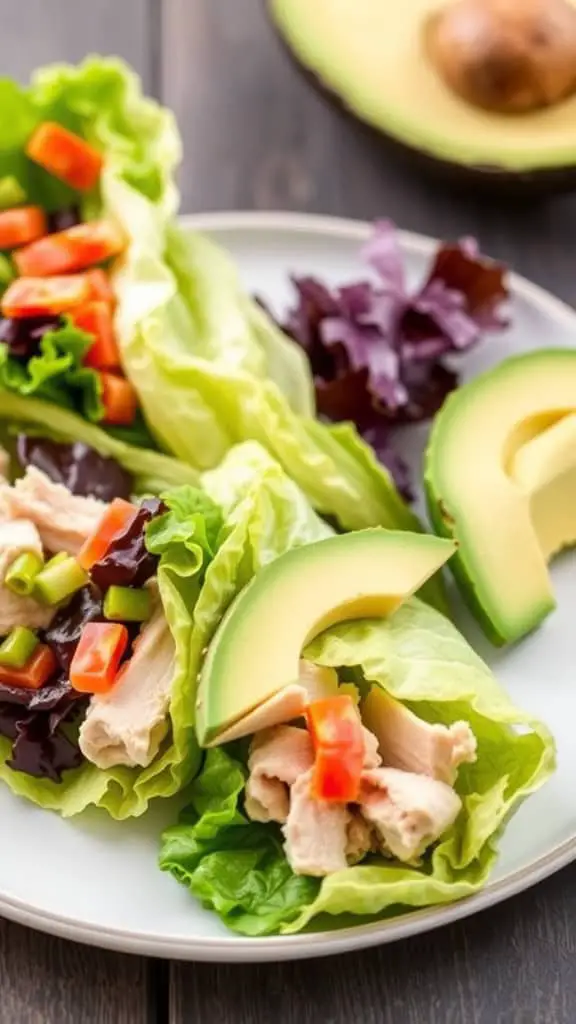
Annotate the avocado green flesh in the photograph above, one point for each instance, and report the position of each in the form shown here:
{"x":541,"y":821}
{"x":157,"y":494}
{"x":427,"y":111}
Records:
{"x":545,"y":469}
{"x":369,"y":53}
{"x":256,"y":650}
{"x":488,"y":489}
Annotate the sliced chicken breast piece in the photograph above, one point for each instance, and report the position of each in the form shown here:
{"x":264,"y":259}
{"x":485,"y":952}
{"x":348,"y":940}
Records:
{"x":64,"y":520}
{"x":409,"y":812}
{"x":127,"y":725}
{"x":316,"y":832}
{"x":19,"y":537}
{"x":360,"y":838}
{"x":278,"y":756}
{"x":372,"y":757}
{"x":408,"y":742}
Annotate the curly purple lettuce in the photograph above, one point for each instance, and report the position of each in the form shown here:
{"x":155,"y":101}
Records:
{"x":377,"y":348}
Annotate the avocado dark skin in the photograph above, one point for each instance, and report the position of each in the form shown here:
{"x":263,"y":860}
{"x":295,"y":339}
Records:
{"x":491,"y":180}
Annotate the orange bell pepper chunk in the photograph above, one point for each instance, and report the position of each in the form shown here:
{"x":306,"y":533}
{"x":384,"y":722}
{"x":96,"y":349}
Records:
{"x":76,"y":248}
{"x":101,"y":287}
{"x":119,"y":399}
{"x":96,"y":660}
{"x":65,"y":155}
{"x":21,"y":225}
{"x":95,"y":318}
{"x":338,"y":739}
{"x":40,"y":296}
{"x":37,"y":670}
{"x":116,"y":518}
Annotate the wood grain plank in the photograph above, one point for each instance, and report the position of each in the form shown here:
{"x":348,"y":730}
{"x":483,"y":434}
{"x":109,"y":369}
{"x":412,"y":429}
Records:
{"x":257,"y":136}
{"x":48,"y":981}
{"x":43,"y":980}
{"x":35,"y":32}
{"x":509,"y":965}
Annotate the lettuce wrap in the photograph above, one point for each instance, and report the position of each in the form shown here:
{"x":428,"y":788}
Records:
{"x":209,"y":366}
{"x":237,"y":866}
{"x":101,"y":101}
{"x":184,"y":539}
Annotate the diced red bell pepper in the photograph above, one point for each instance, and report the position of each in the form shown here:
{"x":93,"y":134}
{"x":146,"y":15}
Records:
{"x":21,"y":225}
{"x":119,"y":399}
{"x":116,"y":517}
{"x":101,"y":286}
{"x":338,"y":740}
{"x":97,"y":657}
{"x":40,"y":296}
{"x":95,"y":318}
{"x":65,"y":155}
{"x":73,"y":249}
{"x":37,"y":670}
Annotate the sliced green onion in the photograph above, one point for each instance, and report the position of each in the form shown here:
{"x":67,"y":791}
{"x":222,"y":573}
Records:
{"x":18,"y":647}
{"x":128,"y":604}
{"x":11,"y":192}
{"x":56,"y":559}
{"x":22,"y":574}
{"x":58,"y":582}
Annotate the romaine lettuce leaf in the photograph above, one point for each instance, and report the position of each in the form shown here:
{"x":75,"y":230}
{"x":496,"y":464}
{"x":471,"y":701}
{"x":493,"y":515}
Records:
{"x":100,"y":99}
{"x":56,"y":372}
{"x":153,"y":472}
{"x":236,"y":866}
{"x":126,"y":792}
{"x":212,"y":370}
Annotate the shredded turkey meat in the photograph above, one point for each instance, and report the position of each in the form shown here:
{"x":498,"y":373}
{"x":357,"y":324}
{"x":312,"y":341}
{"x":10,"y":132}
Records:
{"x":316,"y":832}
{"x":127,"y":725}
{"x":278,"y":756}
{"x":408,"y":811}
{"x":64,"y":520}
{"x":408,"y":742}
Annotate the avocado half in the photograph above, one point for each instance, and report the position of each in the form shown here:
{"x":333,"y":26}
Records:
{"x":500,"y":479}
{"x":368,"y":57}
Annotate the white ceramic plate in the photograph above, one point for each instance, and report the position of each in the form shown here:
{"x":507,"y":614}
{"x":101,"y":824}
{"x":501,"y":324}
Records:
{"x":96,"y":881}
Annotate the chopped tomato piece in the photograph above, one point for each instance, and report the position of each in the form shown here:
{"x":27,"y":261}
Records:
{"x":40,"y":296}
{"x":22,"y":225}
{"x":65,"y":155}
{"x":338,"y":739}
{"x":97,"y":657}
{"x":96,"y":319}
{"x":116,"y":517}
{"x":37,"y":670}
{"x":119,"y":399}
{"x":75,"y":248}
{"x":101,"y":286}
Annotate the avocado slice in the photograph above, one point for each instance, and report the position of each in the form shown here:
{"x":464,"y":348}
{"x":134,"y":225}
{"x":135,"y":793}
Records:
{"x":500,"y":480}
{"x":255,"y":652}
{"x":370,"y":57}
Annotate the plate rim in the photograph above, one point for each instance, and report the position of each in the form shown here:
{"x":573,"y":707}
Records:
{"x":241,"y":949}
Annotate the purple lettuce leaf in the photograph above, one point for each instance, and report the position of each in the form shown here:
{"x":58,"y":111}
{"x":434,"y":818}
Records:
{"x":377,"y":348}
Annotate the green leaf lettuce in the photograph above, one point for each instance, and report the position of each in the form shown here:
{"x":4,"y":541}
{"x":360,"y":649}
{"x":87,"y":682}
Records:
{"x":237,"y":867}
{"x":185,"y":547}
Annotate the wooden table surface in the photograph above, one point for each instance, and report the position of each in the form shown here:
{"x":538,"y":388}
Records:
{"x":256,"y":137}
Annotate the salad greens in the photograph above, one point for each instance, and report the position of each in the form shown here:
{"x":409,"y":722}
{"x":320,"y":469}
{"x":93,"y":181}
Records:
{"x":237,"y":866}
{"x":100,"y":100}
{"x":126,"y":792}
{"x":210,"y":367}
{"x":152,"y":471}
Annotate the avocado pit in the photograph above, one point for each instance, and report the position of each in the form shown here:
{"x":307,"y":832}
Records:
{"x":505,"y":56}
